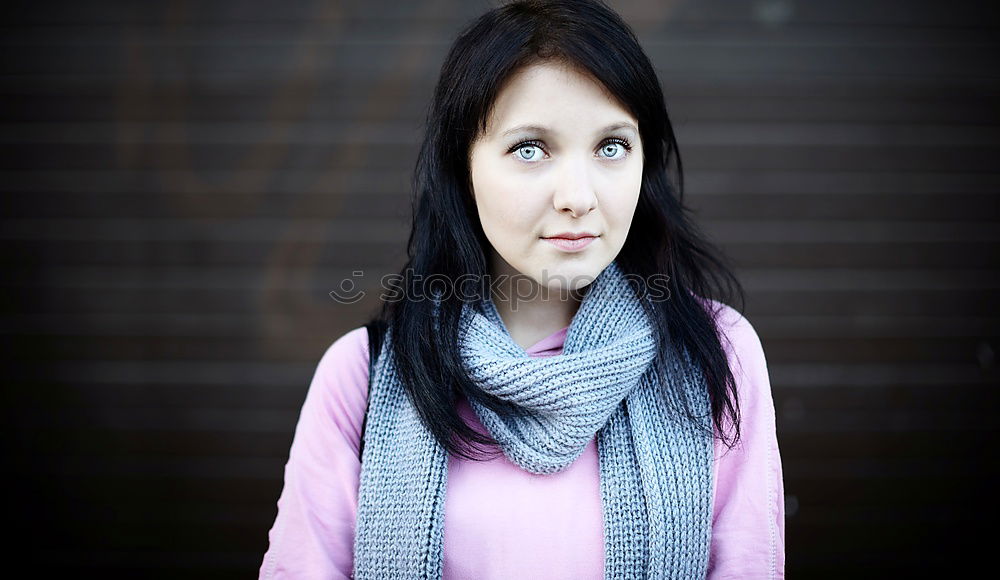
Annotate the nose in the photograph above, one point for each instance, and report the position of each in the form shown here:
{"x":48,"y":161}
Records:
{"x":574,"y":190}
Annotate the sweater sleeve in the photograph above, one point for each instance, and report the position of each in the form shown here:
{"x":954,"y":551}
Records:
{"x":313,"y":534}
{"x":748,"y":529}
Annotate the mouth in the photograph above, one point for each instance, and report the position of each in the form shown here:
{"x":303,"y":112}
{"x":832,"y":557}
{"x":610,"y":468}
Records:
{"x":571,"y":241}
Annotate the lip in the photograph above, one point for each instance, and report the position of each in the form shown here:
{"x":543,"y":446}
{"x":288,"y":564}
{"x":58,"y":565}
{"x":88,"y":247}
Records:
{"x":571,"y":241}
{"x":572,"y":235}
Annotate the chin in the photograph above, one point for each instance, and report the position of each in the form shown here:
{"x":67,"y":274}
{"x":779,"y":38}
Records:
{"x":571,"y":276}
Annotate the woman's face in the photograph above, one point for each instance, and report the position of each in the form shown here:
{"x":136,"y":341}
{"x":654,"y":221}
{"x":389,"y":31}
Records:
{"x":560,"y":159}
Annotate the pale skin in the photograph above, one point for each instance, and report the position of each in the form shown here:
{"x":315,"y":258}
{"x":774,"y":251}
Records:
{"x":559,"y":154}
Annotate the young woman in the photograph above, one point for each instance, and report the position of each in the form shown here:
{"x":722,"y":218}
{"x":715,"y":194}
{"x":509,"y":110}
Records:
{"x":561,"y":390}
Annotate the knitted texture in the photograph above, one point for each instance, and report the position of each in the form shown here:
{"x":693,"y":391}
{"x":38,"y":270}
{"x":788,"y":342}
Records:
{"x":655,"y":463}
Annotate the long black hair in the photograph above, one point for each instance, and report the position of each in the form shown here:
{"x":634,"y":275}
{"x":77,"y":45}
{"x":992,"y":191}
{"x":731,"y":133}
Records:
{"x":447,"y":239}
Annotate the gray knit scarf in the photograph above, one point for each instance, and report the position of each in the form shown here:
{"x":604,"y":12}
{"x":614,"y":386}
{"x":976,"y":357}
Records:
{"x":655,"y":463}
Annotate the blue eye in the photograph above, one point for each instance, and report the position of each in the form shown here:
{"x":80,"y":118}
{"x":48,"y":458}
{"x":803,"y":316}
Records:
{"x":527,"y":152}
{"x":615,"y":149}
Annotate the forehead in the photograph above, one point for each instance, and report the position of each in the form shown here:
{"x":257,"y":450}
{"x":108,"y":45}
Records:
{"x":551,"y":92}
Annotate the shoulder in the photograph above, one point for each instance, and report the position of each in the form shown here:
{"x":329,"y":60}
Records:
{"x":347,"y":356}
{"x":339,"y":390}
{"x":745,"y":355}
{"x":739,"y":338}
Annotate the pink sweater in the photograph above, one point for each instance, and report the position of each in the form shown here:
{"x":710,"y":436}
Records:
{"x":500,"y":521}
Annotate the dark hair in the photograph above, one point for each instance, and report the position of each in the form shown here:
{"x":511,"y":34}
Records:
{"x":447,"y":239}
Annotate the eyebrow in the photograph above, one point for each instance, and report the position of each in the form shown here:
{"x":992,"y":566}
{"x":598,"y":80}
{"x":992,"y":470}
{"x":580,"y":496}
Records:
{"x":545,"y":130}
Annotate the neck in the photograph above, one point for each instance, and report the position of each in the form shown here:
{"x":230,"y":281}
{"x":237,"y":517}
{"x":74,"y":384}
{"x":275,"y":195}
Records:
{"x":530,"y":311}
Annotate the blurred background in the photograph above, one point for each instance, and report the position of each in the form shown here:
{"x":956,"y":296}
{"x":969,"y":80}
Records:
{"x":185,"y":182}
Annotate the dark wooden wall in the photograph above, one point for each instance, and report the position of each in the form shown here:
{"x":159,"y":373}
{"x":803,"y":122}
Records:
{"x":184,"y":182}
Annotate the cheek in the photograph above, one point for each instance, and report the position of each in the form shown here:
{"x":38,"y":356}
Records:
{"x":634,"y":187}
{"x":506,"y":213}
{"x":623,"y":196}
{"x":506,"y":202}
